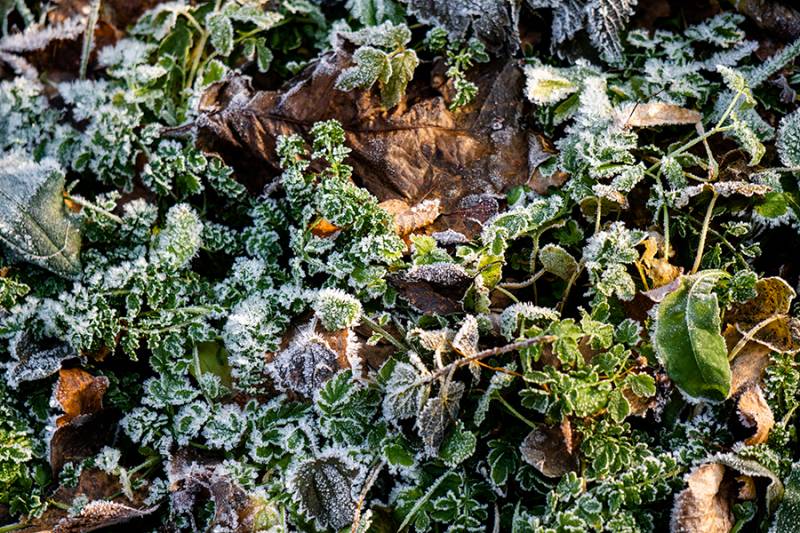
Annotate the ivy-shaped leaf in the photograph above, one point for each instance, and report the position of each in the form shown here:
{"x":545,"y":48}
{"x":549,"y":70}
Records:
{"x":688,"y":341}
{"x":33,"y":220}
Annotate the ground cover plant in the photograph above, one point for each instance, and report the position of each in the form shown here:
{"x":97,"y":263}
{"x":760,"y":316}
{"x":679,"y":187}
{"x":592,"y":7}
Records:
{"x":399,"y":265}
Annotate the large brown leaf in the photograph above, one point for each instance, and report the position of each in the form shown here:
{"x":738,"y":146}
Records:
{"x":704,"y":506}
{"x":418,"y":150}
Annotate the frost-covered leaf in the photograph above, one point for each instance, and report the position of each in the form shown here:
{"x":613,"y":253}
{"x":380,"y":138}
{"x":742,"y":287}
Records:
{"x":606,"y":22}
{"x":32,"y":360}
{"x":33,"y":219}
{"x":220,"y":31}
{"x":545,"y":85}
{"x":336,"y":309}
{"x":401,"y":398}
{"x":494,"y":22}
{"x":748,"y":140}
{"x":458,"y":446}
{"x":516,"y":316}
{"x":503,"y":459}
{"x":788,"y":514}
{"x":402,"y":70}
{"x":788,"y":142}
{"x":656,"y":114}
{"x":436,"y":415}
{"x":371,"y":65}
{"x":557,"y":261}
{"x":374,"y":12}
{"x":688,"y":341}
{"x":323,"y":488}
{"x":723,"y":188}
{"x":305,"y":365}
{"x":180,"y":239}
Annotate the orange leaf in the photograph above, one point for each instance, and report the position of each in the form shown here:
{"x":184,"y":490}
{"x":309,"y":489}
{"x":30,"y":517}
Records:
{"x":79,"y":393}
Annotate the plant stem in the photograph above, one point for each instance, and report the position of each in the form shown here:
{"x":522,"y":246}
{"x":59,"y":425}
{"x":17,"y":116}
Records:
{"x":374,"y":326}
{"x":92,"y":207}
{"x":522,"y":284}
{"x":703,"y":232}
{"x":514,"y":411}
{"x":363,"y":495}
{"x":13,"y":527}
{"x":88,"y":37}
{"x":504,"y":291}
{"x":422,"y":501}
{"x":751,"y":333}
{"x":598,"y":215}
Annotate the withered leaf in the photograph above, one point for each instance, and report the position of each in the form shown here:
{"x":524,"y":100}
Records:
{"x":34,"y":359}
{"x":550,"y":449}
{"x":723,"y":188}
{"x":79,"y":393}
{"x":755,"y":414}
{"x":416,"y":152}
{"x":656,"y":114}
{"x":765,"y":317}
{"x":83,"y":436}
{"x":407,"y":218}
{"x":657,"y":267}
{"x":748,"y":366}
{"x":433,"y":289}
{"x":704,"y":506}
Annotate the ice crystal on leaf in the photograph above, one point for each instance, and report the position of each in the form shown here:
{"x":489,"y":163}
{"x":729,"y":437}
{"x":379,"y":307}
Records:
{"x":323,"y":488}
{"x":306,"y":364}
{"x":179,"y":241}
{"x":789,"y":140}
{"x":336,"y":309}
{"x":606,"y":255}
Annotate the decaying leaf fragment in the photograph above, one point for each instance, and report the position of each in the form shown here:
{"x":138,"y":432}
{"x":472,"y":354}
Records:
{"x":436,"y":288}
{"x":704,"y":506}
{"x":551,"y":449}
{"x":100,"y":514}
{"x":722,"y":188}
{"x":765,"y":318}
{"x":79,"y":393}
{"x":656,"y":267}
{"x":748,"y":366}
{"x":33,"y":220}
{"x":755,"y":414}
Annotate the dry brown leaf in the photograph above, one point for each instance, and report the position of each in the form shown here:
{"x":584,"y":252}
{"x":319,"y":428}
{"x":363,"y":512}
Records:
{"x":704,"y":506}
{"x":421,"y":150}
{"x":655,"y":266}
{"x":433,"y":289}
{"x":408,"y":219}
{"x":723,"y":188}
{"x":749,"y":365}
{"x":540,"y":149}
{"x":764,"y":319}
{"x":551,"y":449}
{"x":79,"y":393}
{"x":323,"y":228}
{"x":747,"y":488}
{"x":755,"y":414}
{"x":656,"y":114}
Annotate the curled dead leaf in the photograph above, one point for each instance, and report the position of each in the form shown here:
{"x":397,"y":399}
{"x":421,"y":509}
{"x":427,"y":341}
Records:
{"x":323,"y":228}
{"x":433,"y":289}
{"x":749,"y":365}
{"x":551,"y":449}
{"x":704,"y":506}
{"x":722,"y":188}
{"x":656,"y":267}
{"x":79,"y":393}
{"x":755,"y":414}
{"x":764,"y":319}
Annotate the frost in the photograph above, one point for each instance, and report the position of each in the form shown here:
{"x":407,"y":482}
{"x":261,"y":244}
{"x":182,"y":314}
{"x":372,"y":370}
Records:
{"x":402,"y":397}
{"x":108,"y":460}
{"x":606,"y":254}
{"x":336,"y":309}
{"x":436,"y":415}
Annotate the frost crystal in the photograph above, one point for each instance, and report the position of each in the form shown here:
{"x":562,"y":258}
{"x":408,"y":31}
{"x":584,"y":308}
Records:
{"x":225,"y":427}
{"x":789,"y":140}
{"x":179,"y":241}
{"x":336,"y":309}
{"x":545,"y":86}
{"x":514,"y":316}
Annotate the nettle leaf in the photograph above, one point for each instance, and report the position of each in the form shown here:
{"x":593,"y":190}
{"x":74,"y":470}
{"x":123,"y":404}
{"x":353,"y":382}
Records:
{"x":402,"y":398}
{"x":322,"y":487}
{"x":437,"y":414}
{"x":606,"y":21}
{"x":688,"y":341}
{"x":33,"y":220}
{"x":221,"y":33}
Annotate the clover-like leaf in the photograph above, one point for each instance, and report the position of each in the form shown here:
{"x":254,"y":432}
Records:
{"x":688,"y":341}
{"x":33,"y":220}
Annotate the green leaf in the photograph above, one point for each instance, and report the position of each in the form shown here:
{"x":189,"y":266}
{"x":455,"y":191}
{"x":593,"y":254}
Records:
{"x":221,"y":33}
{"x":688,"y":341}
{"x":371,"y":64}
{"x":458,"y":446}
{"x":503,"y":459}
{"x":33,"y":220}
{"x":557,"y":261}
{"x":402,"y":70}
{"x":263,"y":55}
{"x":642,"y":385}
{"x":618,"y":406}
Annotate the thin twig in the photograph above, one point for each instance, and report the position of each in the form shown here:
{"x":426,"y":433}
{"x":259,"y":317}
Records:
{"x":88,"y":37}
{"x":373,"y":475}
